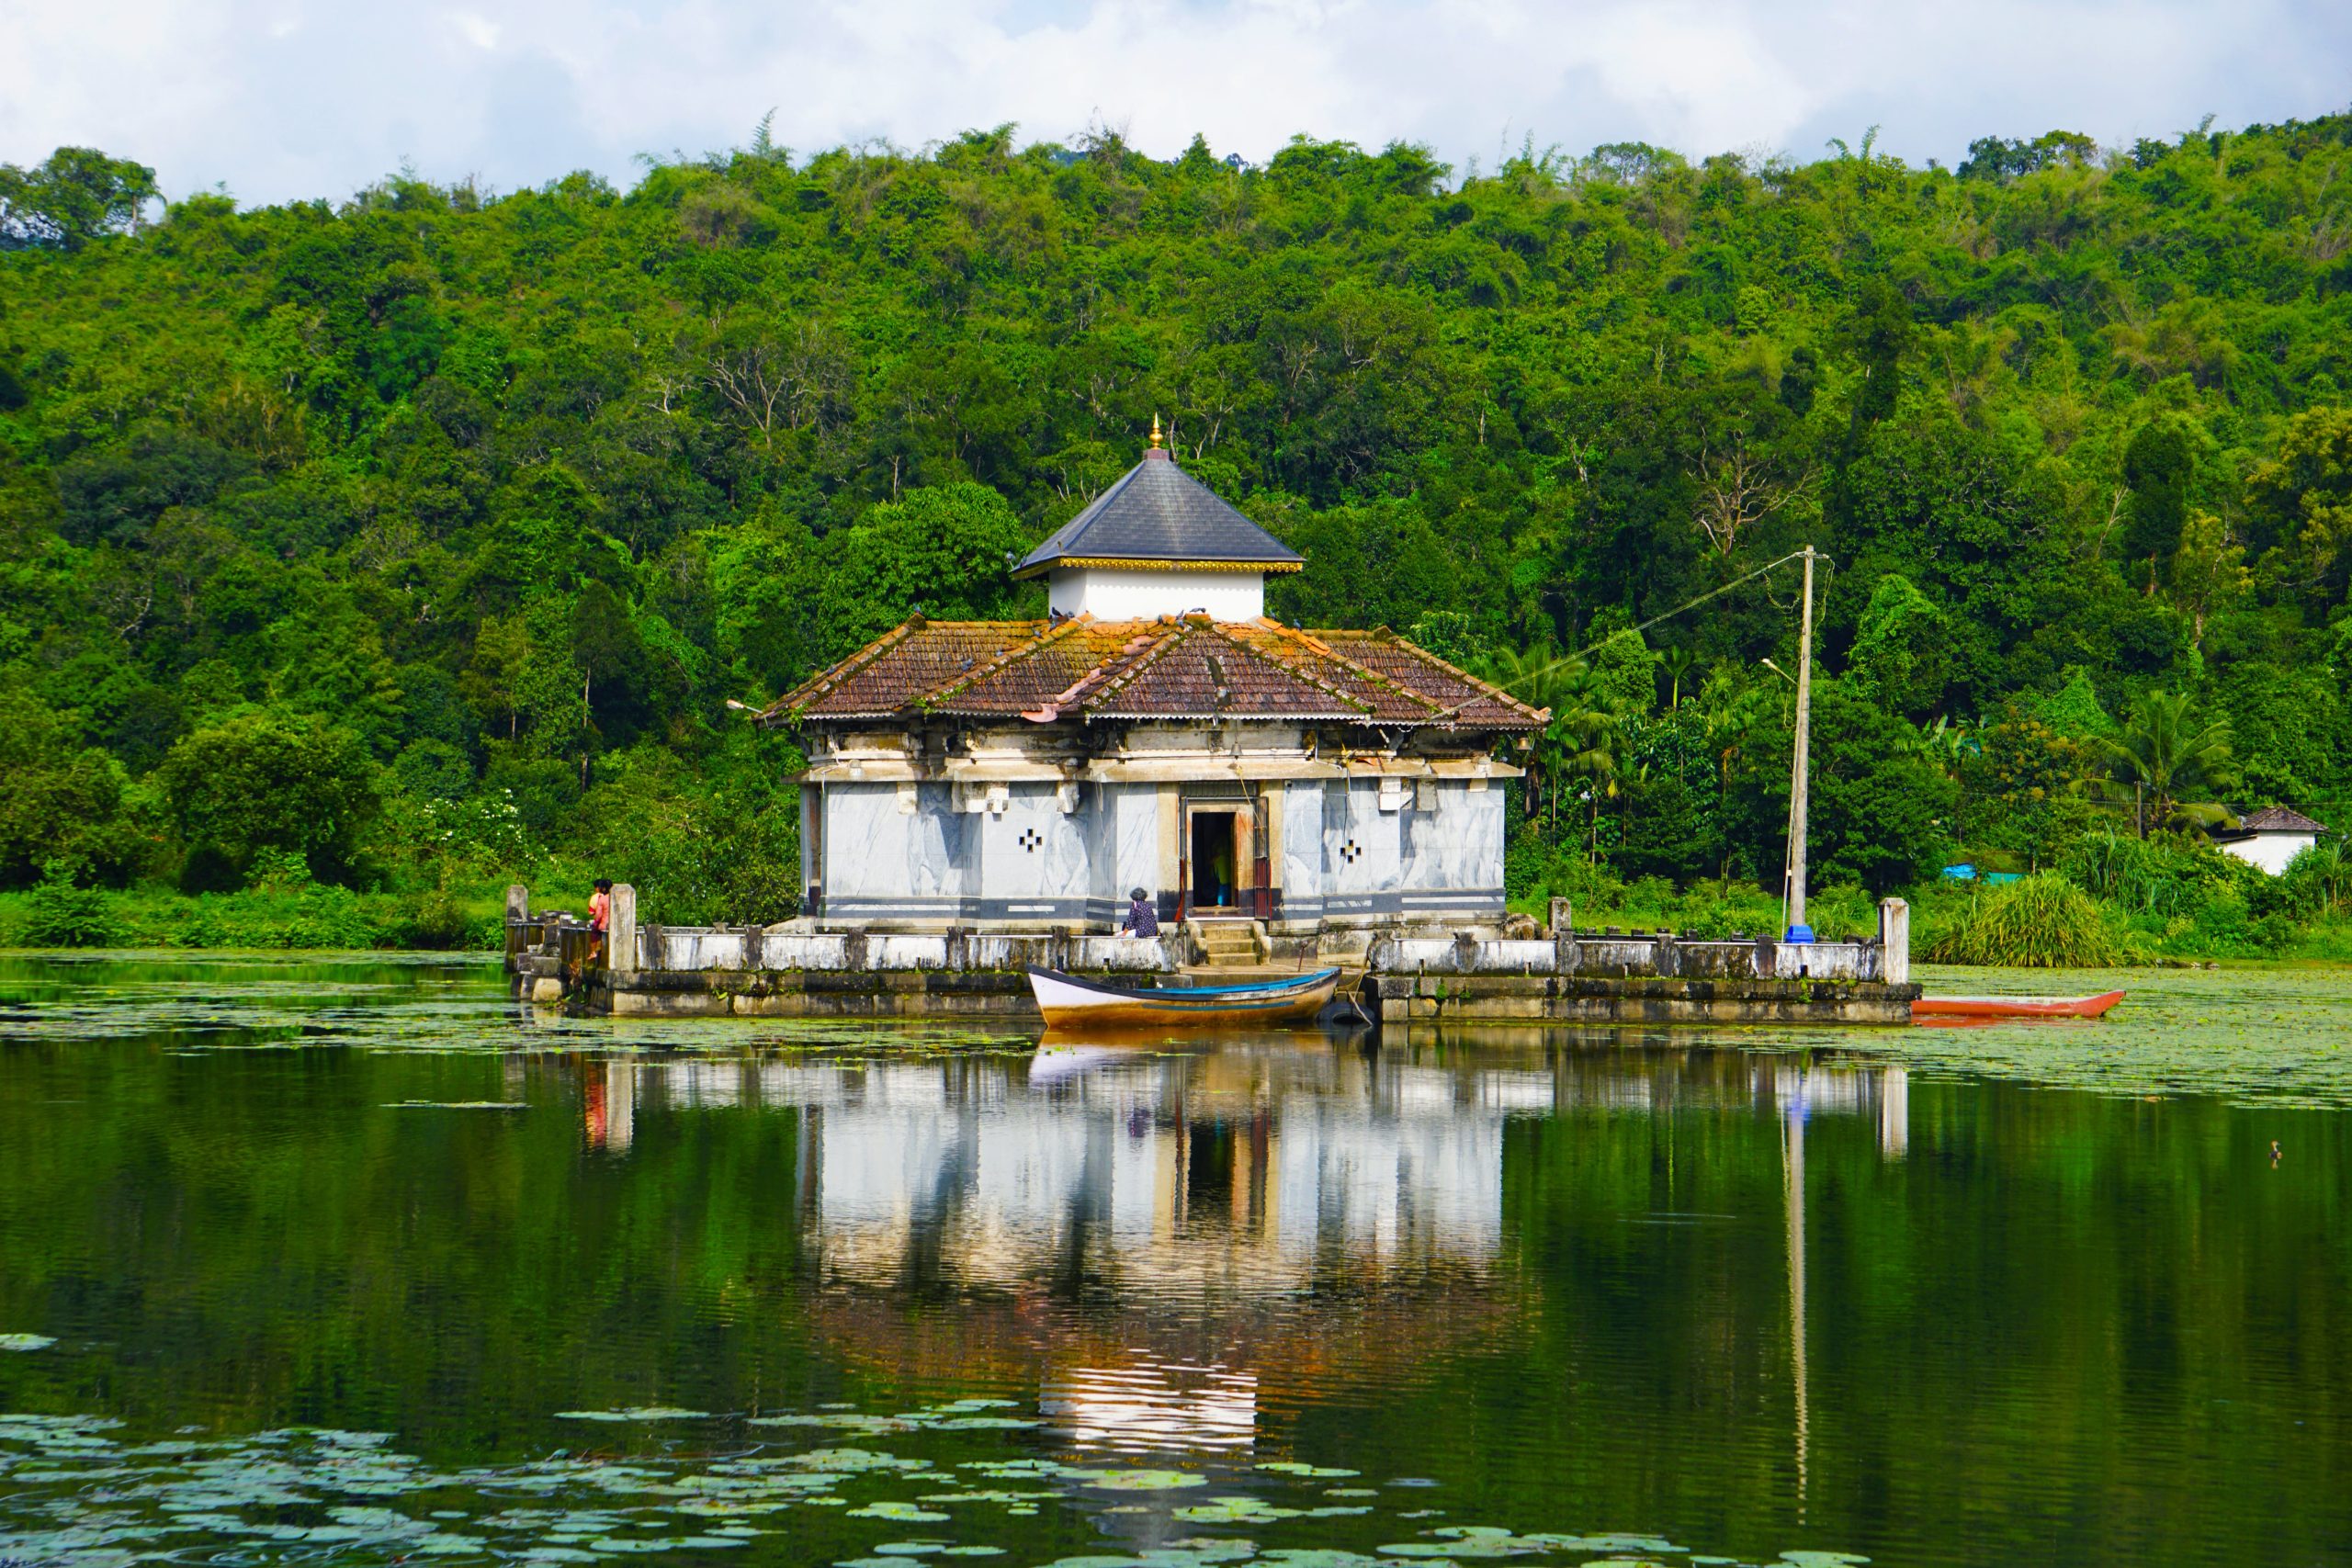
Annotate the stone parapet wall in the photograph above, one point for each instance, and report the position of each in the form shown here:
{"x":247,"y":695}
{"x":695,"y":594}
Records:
{"x":1662,"y":955}
{"x":1616,"y":999}
{"x":686,"y":948}
{"x":1408,"y":978}
{"x":934,"y":993}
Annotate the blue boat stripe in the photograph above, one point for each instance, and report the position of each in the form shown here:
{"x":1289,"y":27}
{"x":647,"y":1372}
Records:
{"x":1196,"y":993}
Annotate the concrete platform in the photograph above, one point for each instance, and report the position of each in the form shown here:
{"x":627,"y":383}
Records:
{"x":1574,"y":999}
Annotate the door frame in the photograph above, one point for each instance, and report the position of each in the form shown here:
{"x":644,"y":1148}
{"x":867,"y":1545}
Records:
{"x":1243,"y":890}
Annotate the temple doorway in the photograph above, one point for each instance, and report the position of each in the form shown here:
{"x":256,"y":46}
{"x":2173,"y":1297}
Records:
{"x":1212,"y":865}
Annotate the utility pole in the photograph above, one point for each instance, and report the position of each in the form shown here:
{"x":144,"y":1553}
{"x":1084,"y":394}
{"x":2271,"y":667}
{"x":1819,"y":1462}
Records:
{"x":1798,"y":931}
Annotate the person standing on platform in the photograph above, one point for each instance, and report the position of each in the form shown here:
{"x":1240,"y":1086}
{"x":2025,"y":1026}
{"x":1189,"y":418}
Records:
{"x":600,"y":917}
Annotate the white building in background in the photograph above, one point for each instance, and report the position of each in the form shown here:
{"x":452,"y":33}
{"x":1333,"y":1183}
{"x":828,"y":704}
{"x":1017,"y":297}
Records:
{"x":2269,"y":838}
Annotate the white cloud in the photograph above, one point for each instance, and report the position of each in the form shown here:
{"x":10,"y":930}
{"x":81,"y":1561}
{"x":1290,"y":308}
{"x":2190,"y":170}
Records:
{"x":478,"y":31}
{"x":295,"y":99}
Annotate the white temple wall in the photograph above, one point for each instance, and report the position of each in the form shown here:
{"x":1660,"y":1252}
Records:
{"x":1127,"y":594}
{"x":1361,"y":850}
{"x":1452,"y":849}
{"x":1303,"y":883}
{"x":869,"y":844}
{"x":1033,"y":861}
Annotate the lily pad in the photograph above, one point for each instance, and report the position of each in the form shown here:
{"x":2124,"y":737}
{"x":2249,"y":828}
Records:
{"x":635,"y":1413}
{"x":906,"y":1513}
{"x":1138,"y":1480}
{"x":1237,"y":1510}
{"x":26,"y":1341}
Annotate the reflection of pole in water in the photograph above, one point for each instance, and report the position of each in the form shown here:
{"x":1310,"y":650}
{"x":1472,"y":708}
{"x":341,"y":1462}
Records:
{"x":1893,"y":1113}
{"x":620,"y":1105}
{"x":608,"y":1104}
{"x":1792,"y":1193}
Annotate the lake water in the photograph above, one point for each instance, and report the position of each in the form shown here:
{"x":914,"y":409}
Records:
{"x":352,"y":1261}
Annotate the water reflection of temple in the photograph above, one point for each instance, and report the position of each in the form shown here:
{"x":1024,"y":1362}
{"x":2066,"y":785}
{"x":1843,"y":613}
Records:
{"x":1180,"y":1177}
{"x":1168,"y":1246}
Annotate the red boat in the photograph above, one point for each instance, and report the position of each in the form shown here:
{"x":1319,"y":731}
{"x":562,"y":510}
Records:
{"x":1942,"y":1008}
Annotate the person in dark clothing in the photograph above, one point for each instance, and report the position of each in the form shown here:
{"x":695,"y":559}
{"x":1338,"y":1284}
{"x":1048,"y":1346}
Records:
{"x":1142,"y":919}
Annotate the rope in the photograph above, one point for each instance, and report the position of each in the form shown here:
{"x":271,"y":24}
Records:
{"x":1568,"y":659}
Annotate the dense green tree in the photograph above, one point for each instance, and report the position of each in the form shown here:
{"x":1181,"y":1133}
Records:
{"x":2158,"y":469}
{"x":62,"y":804}
{"x":257,"y":782}
{"x":522,"y":491}
{"x":78,"y":195}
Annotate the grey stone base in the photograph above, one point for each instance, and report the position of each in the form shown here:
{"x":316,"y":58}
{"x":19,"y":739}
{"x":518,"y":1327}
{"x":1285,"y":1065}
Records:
{"x":1537,"y":1001}
{"x":1574,"y":999}
{"x":807,"y":993}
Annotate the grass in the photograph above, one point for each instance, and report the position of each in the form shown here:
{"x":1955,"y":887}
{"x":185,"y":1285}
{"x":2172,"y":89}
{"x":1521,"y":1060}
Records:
{"x":309,"y":916}
{"x":2038,"y":922}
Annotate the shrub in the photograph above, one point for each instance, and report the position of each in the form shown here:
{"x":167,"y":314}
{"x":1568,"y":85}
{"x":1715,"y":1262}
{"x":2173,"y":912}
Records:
{"x":58,"y":914}
{"x":2318,"y":882}
{"x":2037,"y":922}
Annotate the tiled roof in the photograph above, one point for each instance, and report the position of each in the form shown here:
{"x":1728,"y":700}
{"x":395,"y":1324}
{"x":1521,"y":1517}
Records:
{"x":1157,"y":513}
{"x":2276,"y":819}
{"x":920,"y":656}
{"x":1188,"y":667}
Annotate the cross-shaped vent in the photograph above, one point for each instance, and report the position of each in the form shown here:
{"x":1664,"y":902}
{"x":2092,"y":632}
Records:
{"x":1350,"y":852}
{"x":1031,"y":839}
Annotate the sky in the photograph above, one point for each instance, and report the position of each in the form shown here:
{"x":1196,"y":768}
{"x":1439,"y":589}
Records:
{"x":284,"y":100}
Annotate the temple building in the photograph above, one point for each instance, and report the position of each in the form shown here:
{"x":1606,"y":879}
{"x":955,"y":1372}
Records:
{"x":1156,"y":731}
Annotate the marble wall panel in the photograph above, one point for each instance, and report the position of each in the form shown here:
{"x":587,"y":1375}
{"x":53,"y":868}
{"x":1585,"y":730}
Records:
{"x":866,"y":840}
{"x":1134,"y":860}
{"x":1030,"y":852}
{"x":1302,"y":868}
{"x":1097,"y":825}
{"x":936,"y":857}
{"x":1459,"y":844}
{"x":1483,"y":835}
{"x":1366,"y":853}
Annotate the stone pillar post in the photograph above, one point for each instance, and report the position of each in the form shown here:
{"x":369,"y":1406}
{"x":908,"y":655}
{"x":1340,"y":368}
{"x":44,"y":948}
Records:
{"x":1563,"y":914}
{"x":1894,"y":941}
{"x":518,"y":911}
{"x":620,"y":941}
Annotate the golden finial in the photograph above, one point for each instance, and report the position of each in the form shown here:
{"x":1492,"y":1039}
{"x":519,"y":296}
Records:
{"x":1156,"y":443}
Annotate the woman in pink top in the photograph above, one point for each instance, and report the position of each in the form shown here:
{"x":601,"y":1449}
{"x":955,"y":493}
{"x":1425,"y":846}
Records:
{"x":600,"y":917}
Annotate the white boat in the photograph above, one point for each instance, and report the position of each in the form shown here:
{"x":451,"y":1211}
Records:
{"x":1066,"y":1000}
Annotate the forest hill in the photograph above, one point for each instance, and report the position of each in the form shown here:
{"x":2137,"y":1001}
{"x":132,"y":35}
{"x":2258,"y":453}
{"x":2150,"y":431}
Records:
{"x":405,"y":540}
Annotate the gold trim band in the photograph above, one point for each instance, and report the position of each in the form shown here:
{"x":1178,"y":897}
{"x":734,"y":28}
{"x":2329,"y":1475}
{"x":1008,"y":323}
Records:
{"x":1119,"y":561}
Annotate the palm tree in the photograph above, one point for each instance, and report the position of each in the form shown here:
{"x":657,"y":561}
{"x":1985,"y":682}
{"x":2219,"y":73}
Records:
{"x":1676,"y":663}
{"x":1584,"y":735}
{"x":1588,"y":740}
{"x":1535,"y":676}
{"x":2171,"y":766}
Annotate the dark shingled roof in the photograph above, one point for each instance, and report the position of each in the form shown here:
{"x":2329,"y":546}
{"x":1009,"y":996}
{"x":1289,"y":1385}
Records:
{"x":1175,"y":667}
{"x":1158,"y":512}
{"x":2274,"y":819}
